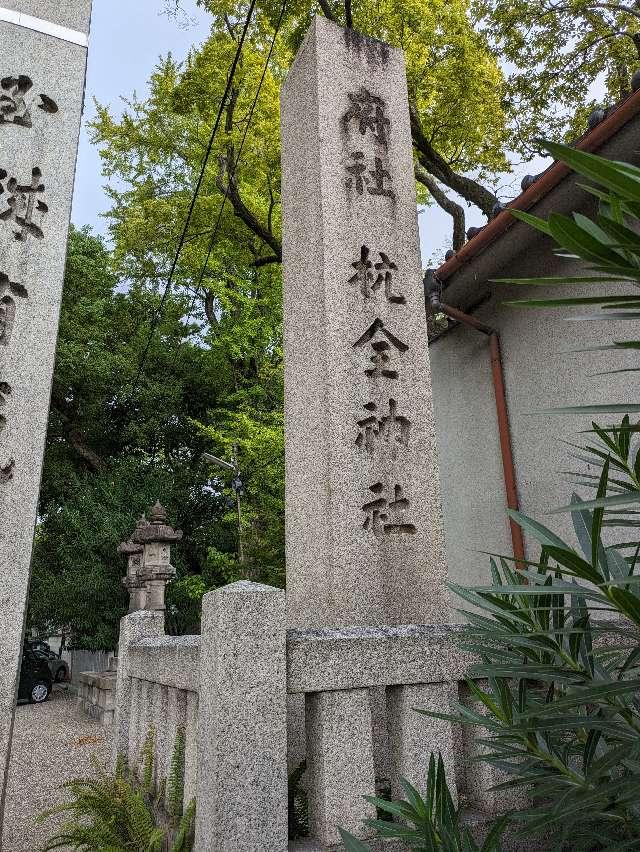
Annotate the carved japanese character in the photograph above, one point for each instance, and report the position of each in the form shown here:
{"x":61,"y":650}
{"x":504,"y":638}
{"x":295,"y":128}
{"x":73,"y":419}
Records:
{"x":357,"y":169}
{"x":379,"y":176}
{"x":370,"y":284}
{"x":387,"y":517}
{"x":8,"y":289}
{"x":393,"y":429}
{"x":23,"y":205}
{"x":367,"y":110}
{"x":14,"y":108}
{"x":381,"y":340}
{"x":375,"y":184}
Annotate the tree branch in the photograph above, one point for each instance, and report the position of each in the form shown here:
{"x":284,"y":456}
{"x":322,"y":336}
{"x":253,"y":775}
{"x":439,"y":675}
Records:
{"x":436,"y":165}
{"x":454,"y":210}
{"x":242,"y":211}
{"x":265,"y":261}
{"x":327,"y":11}
{"x":209,"y":308}
{"x":93,"y":460}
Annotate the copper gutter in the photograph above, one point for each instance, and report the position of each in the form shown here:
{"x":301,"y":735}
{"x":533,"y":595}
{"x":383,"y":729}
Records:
{"x":502,"y":412}
{"x":591,"y":141}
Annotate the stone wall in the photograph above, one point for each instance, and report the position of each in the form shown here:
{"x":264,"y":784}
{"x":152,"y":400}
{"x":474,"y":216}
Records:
{"x":354,"y":690}
{"x":80,"y":661}
{"x":96,"y":696}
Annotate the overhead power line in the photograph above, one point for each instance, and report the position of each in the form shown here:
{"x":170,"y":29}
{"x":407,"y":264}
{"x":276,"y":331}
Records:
{"x":232,"y":171}
{"x":194,"y":196}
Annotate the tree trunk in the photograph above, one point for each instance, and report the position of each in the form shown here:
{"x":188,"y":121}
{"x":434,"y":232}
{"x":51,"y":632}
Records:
{"x":454,"y":210}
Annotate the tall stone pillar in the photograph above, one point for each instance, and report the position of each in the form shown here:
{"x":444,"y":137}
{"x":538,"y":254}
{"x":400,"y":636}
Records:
{"x":365,"y":541}
{"x":42,"y":73}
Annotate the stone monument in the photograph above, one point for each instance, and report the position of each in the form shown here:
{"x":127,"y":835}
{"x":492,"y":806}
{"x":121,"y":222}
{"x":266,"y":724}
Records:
{"x":365,"y":542}
{"x":149,"y":567}
{"x":42,"y":73}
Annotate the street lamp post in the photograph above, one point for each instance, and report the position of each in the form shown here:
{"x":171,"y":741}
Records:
{"x":236,"y":484}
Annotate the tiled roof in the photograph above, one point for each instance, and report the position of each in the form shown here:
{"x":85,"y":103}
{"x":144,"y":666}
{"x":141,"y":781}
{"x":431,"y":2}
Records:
{"x":615,"y":118}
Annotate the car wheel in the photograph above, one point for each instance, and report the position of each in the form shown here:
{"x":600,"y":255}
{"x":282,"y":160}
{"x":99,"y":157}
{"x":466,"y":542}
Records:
{"x":39,"y":692}
{"x":61,"y":675}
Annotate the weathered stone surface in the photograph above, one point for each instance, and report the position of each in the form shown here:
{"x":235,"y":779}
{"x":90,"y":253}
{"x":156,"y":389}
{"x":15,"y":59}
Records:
{"x":352,"y":657}
{"x":37,"y":134}
{"x":66,"y":13}
{"x":242,"y":723}
{"x":96,"y":696}
{"x":340,"y":763}
{"x":191,"y":749}
{"x":130,"y":702}
{"x":363,"y":515}
{"x":413,"y":736}
{"x":169,"y":660}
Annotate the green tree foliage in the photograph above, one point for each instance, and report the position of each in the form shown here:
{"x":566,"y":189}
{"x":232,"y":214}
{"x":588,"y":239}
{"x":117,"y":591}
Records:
{"x":158,"y":143}
{"x":555,"y":51}
{"x":114,"y":447}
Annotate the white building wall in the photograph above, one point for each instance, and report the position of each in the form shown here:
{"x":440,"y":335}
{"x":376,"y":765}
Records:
{"x":539,"y":374}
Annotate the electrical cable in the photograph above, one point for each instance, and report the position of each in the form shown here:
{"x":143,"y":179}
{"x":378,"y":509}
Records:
{"x":194,"y":197}
{"x":242,"y":142}
{"x":232,"y":171}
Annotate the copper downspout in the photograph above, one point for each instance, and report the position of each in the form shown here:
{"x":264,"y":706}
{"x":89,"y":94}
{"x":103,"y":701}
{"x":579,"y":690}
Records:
{"x":497,"y":373}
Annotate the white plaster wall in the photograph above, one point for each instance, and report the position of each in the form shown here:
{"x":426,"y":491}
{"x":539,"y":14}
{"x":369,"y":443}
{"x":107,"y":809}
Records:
{"x":538,"y":376}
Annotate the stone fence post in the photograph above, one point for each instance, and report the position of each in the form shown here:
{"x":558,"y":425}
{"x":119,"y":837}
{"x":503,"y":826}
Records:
{"x":242,"y":725}
{"x":138,"y":625}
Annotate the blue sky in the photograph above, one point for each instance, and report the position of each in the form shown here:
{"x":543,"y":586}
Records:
{"x":127,"y":36}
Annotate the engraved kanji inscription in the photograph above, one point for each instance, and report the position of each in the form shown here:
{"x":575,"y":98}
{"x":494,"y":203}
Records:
{"x":373,"y":180}
{"x":382,"y":343}
{"x":15,"y":107}
{"x":367,"y":111}
{"x":379,"y":175}
{"x":371,"y":277}
{"x":387,"y":517}
{"x":23,"y":205}
{"x":8,"y":289}
{"x":373,"y":432}
{"x":6,"y":470}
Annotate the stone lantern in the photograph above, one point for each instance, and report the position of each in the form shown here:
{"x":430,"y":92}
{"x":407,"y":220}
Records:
{"x":150,"y":568}
{"x":133,"y":581}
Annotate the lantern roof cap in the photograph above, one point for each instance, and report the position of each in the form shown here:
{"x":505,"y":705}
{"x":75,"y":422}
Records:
{"x":156,"y":528}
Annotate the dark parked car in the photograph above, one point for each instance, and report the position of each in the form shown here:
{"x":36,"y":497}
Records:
{"x":58,"y":667}
{"x":36,"y":681}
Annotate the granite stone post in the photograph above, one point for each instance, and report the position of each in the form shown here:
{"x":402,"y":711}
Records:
{"x":191,"y":749}
{"x":42,"y":73}
{"x":365,"y":541}
{"x":242,"y":727}
{"x":340,"y":763}
{"x":413,"y":736}
{"x":138,"y":625}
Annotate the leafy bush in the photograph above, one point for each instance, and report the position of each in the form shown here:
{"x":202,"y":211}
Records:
{"x":558,"y":641}
{"x":560,"y":704}
{"x":558,"y":671}
{"x":119,"y":813}
{"x":429,"y":824}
